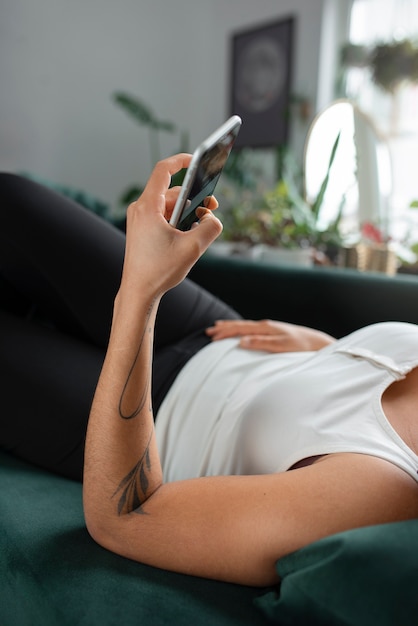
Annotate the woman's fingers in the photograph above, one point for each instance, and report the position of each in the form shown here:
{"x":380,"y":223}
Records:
{"x":266,"y":343}
{"x":156,"y":252}
{"x":159,"y":181}
{"x":211,"y":203}
{"x":170,"y":201}
{"x":237,"y":328}
{"x":270,"y":335}
{"x":172,"y":194}
{"x":207,"y":229}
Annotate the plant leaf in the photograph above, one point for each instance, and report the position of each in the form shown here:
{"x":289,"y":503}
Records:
{"x":141,"y":113}
{"x":316,"y":206}
{"x":135,"y":108}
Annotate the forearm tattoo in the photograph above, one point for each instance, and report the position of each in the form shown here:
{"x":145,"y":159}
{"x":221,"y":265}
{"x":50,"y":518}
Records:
{"x":132,"y":490}
{"x":146,"y":387}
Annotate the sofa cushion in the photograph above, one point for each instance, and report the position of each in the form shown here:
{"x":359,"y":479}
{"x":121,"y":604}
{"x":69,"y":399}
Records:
{"x":363,"y":577}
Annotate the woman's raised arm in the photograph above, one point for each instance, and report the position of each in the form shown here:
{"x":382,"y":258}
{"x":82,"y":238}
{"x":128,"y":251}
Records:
{"x":122,"y":467}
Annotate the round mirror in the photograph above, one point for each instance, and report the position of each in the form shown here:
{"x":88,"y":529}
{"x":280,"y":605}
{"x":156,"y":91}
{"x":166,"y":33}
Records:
{"x":344,"y":144}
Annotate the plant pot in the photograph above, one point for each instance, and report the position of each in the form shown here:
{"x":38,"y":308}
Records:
{"x":370,"y":257}
{"x":285,"y":256}
{"x":230,"y":248}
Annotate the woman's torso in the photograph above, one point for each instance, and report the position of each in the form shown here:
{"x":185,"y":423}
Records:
{"x":232,"y":411}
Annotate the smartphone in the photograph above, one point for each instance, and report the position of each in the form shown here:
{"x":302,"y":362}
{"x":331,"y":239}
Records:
{"x":203,"y":173}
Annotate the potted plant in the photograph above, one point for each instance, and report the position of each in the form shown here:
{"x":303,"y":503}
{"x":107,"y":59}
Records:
{"x":279,"y":219}
{"x":391,"y":63}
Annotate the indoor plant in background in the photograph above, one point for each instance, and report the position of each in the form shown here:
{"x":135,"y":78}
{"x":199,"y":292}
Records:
{"x":278,"y":222}
{"x":392,"y":65}
{"x":261,"y":221}
{"x":143,"y":115}
{"x":407,"y":246}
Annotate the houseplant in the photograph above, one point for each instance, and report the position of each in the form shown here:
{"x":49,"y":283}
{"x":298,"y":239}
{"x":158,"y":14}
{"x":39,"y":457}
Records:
{"x":390,"y":63}
{"x":279,"y":218}
{"x":143,"y":115}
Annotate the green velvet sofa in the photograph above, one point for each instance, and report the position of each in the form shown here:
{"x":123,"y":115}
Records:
{"x":53,"y":574}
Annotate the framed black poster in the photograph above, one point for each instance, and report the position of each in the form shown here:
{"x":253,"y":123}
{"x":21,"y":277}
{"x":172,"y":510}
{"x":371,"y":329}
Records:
{"x":261,"y":67}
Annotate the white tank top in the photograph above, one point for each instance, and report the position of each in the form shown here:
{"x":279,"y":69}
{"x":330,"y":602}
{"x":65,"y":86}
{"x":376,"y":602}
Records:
{"x":233,"y":411}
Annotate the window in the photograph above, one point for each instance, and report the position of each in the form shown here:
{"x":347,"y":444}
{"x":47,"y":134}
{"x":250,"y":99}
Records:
{"x":394,"y":114}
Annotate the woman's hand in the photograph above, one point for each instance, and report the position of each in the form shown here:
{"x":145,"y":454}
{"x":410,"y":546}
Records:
{"x":270,"y":336}
{"x":158,"y":256}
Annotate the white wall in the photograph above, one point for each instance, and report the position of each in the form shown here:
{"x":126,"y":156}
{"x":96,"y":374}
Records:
{"x":60,"y":61}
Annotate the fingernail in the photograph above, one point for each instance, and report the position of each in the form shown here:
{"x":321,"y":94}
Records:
{"x":201,"y":212}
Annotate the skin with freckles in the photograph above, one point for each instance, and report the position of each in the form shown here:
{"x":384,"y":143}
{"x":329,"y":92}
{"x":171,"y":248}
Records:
{"x":231,"y":528}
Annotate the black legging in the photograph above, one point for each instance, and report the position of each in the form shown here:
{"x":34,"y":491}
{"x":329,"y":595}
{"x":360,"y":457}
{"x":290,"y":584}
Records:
{"x":60,"y":268}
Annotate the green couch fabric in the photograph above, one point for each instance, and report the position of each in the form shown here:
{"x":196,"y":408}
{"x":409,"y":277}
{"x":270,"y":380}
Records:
{"x":53,"y":574}
{"x":363,"y":577}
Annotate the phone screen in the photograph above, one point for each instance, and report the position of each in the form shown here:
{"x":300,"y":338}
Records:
{"x":204,"y":176}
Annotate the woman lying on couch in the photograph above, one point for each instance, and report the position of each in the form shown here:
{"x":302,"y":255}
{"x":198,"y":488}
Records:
{"x":268,"y":436}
